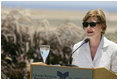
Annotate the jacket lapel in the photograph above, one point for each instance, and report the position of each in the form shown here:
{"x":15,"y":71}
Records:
{"x":88,"y":54}
{"x":99,"y":51}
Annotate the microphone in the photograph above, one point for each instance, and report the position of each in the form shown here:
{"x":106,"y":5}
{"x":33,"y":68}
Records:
{"x":85,"y":41}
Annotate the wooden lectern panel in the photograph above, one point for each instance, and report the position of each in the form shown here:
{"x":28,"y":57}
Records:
{"x":103,"y":73}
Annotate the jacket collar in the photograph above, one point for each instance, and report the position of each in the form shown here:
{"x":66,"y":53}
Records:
{"x":104,"y":42}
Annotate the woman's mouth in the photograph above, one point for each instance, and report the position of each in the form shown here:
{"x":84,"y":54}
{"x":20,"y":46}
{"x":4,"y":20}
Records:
{"x":89,"y":32}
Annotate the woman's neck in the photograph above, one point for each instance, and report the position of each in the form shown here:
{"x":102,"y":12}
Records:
{"x":95,"y":41}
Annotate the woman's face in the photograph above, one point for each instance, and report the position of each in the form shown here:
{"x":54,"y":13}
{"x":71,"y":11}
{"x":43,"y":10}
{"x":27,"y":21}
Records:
{"x":94,"y":31}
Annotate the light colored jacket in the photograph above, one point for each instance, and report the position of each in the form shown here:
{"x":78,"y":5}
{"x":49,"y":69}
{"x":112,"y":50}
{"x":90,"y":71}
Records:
{"x":106,"y":55}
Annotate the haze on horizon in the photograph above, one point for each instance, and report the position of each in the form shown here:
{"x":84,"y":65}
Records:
{"x":109,"y":6}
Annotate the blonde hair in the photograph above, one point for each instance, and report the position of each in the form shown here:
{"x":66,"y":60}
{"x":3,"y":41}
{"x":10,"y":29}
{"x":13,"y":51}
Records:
{"x":99,"y":13}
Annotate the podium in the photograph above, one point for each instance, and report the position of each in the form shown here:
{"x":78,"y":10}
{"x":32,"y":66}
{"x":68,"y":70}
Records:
{"x":42,"y":71}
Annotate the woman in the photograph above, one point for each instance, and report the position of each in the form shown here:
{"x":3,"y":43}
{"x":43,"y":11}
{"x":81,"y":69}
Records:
{"x":99,"y":51}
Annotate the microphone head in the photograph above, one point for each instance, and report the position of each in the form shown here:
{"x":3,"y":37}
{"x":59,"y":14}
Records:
{"x":86,"y":40}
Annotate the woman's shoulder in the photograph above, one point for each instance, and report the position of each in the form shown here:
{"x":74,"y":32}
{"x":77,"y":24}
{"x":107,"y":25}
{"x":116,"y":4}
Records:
{"x":110,"y":43}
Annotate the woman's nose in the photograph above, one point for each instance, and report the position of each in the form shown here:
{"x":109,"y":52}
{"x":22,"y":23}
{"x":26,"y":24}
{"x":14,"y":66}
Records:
{"x":89,"y":26}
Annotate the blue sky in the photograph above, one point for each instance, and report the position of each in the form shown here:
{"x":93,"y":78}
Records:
{"x":64,"y":5}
